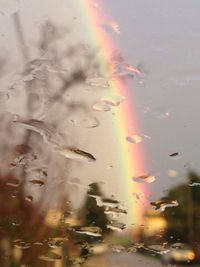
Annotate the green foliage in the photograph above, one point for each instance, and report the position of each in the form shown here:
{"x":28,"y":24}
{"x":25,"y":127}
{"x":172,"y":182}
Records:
{"x":183,"y":220}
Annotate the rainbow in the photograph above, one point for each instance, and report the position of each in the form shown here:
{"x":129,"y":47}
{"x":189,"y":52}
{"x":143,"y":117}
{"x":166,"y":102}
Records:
{"x":132,"y":156}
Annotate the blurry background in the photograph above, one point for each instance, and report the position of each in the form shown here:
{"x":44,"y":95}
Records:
{"x":50,"y":74}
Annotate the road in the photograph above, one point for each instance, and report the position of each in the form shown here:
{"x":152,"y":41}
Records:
{"x":124,"y":260}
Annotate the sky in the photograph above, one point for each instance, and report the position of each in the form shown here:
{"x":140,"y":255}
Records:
{"x":163,"y":38}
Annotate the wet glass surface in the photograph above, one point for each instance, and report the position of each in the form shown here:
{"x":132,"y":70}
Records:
{"x":99,"y":134}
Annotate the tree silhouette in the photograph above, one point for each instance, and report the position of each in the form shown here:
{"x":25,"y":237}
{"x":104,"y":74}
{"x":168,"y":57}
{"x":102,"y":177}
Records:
{"x":91,"y":212}
{"x":183,"y":220}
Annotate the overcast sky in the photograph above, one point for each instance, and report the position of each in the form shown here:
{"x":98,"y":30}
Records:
{"x":165,"y":37}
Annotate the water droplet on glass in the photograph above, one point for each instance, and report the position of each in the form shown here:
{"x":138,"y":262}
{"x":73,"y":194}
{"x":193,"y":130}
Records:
{"x":97,"y":82}
{"x":114,"y":100}
{"x":52,"y":137}
{"x":90,"y":230}
{"x":125,"y":70}
{"x":162,"y":204}
{"x":13,"y":182}
{"x":48,"y":133}
{"x":194,"y":184}
{"x":132,"y":249}
{"x":114,"y":210}
{"x":75,"y":180}
{"x":16,"y":222}
{"x":177,"y":245}
{"x":29,"y":198}
{"x":37,"y":182}
{"x":100,"y":106}
{"x":29,"y":77}
{"x":146,"y":136}
{"x":116,"y":226}
{"x":55,"y":243}
{"x":174,"y":154}
{"x":15,"y":194}
{"x":76,"y":154}
{"x":115,"y":27}
{"x":51,"y":256}
{"x":158,"y":249}
{"x":87,"y":122}
{"x":117,"y":248}
{"x":108,"y":202}
{"x":21,"y":244}
{"x":144,"y":179}
{"x":135,"y":139}
{"x":37,"y":243}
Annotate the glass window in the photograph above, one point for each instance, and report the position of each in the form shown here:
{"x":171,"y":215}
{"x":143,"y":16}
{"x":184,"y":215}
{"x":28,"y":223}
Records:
{"x":99,"y":135}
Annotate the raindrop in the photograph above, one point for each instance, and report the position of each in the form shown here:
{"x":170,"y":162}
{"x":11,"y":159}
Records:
{"x":132,"y":249}
{"x":117,"y":248}
{"x":21,"y":244}
{"x":108,"y":202}
{"x":194,"y":184}
{"x":90,"y":230}
{"x":29,"y":77}
{"x":100,"y":106}
{"x":158,"y":249}
{"x":55,"y":243}
{"x":126,"y":70}
{"x":162,"y":112}
{"x":88,"y":122}
{"x":116,"y":226}
{"x":174,"y":154}
{"x":15,"y":194}
{"x":114,"y":210}
{"x":51,"y":256}
{"x":115,"y":27}
{"x":146,"y":136}
{"x":144,"y":179}
{"x":29,"y":198}
{"x":114,"y":100}
{"x":37,"y":182}
{"x":135,"y":139}
{"x":97,"y":82}
{"x":40,"y":172}
{"x":46,"y":131}
{"x":13,"y":182}
{"x":50,"y":135}
{"x":16,"y":223}
{"x":76,"y":154}
{"x":37,"y":243}
{"x":75,"y":180}
{"x":177,"y":245}
{"x":162,"y":204}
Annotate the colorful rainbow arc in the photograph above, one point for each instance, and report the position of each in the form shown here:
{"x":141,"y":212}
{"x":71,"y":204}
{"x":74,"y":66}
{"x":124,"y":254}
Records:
{"x":132,"y":157}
